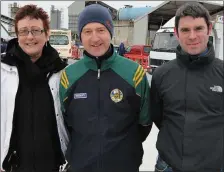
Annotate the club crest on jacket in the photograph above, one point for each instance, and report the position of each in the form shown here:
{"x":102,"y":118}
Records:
{"x":116,"y":95}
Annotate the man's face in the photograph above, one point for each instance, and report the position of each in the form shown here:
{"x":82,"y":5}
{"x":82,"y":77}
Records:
{"x":95,"y":39}
{"x":31,"y":44}
{"x":193,"y":34}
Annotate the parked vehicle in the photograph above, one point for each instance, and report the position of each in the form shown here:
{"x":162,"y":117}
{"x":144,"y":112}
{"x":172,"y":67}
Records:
{"x":61,"y":41}
{"x":3,"y":45}
{"x":139,"y":53}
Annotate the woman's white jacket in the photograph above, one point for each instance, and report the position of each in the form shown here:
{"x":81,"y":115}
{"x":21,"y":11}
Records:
{"x":9,"y":87}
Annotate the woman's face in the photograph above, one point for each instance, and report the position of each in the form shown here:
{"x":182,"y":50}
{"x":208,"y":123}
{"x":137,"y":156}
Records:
{"x":32,"y":36}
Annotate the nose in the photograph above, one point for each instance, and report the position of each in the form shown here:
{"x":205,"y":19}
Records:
{"x":95,"y":37}
{"x":30,"y":35}
{"x":192,"y":34}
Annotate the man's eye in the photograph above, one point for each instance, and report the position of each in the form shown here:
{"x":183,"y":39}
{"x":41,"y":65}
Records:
{"x":87,"y":32}
{"x":23,"y":31}
{"x":199,"y":28}
{"x":184,"y":30}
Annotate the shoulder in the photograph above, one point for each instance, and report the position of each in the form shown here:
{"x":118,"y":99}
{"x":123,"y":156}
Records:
{"x":73,"y":72}
{"x":75,"y":66}
{"x":218,"y":63}
{"x":218,"y":67}
{"x":8,"y":68}
{"x":128,"y":69}
{"x":125,"y":62}
{"x":165,"y":68}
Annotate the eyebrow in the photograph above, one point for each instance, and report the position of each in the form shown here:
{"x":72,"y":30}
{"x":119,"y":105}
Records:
{"x":94,"y":28}
{"x":196,"y":27}
{"x":30,"y":27}
{"x":101,"y":28}
{"x":200,"y":27}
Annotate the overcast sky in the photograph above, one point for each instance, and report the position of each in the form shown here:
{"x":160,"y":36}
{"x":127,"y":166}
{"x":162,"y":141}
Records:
{"x":46,"y":5}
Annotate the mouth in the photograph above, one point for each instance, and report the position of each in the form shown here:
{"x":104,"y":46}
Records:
{"x":95,"y":46}
{"x":193,"y":44}
{"x":31,"y":44}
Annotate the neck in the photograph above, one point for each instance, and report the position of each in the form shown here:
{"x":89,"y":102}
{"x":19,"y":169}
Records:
{"x":35,"y":58}
{"x":194,"y":61}
{"x":105,"y":56}
{"x":204,"y":52}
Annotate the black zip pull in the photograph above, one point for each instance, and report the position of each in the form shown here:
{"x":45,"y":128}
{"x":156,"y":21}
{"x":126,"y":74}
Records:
{"x":13,"y":153}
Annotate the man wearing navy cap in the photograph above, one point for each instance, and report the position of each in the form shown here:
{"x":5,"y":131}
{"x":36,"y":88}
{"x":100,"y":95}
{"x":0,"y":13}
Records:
{"x":105,"y":100}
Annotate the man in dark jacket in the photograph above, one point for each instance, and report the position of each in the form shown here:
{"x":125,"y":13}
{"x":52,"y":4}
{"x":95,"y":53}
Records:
{"x":187,"y":99}
{"x":122,"y":50}
{"x":105,"y":99}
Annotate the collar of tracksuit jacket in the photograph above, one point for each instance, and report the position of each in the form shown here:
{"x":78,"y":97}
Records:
{"x":102,"y":62}
{"x":196,"y":61}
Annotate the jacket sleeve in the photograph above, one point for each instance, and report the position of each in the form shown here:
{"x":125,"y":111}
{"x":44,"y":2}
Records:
{"x":143,"y":90}
{"x":63,"y":87}
{"x":156,"y":103}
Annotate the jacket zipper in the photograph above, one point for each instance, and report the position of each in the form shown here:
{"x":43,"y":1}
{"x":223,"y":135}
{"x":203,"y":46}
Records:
{"x":185,"y":115}
{"x":98,"y":78}
{"x":98,"y":75}
{"x":33,"y":128}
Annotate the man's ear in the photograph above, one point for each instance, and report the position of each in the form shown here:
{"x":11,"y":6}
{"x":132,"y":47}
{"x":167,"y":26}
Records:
{"x":176,"y":33}
{"x":210,"y":29}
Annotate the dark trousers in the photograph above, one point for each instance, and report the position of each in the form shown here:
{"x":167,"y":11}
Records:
{"x":162,"y":166}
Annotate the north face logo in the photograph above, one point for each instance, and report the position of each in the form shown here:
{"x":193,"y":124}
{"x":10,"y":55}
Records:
{"x":216,"y":88}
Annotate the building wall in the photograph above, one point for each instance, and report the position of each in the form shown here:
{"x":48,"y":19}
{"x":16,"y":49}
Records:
{"x":77,"y":7}
{"x":73,"y":23}
{"x":123,"y":32}
{"x":12,"y":10}
{"x":55,"y":22}
{"x":73,"y":12}
{"x":141,"y":31}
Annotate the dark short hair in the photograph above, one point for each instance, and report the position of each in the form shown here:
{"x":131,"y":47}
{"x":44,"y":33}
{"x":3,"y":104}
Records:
{"x":32,"y":11}
{"x":193,"y":9}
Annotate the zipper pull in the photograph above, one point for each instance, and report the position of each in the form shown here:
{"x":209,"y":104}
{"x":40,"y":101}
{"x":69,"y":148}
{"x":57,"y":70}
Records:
{"x":13,"y":153}
{"x":98,"y":76}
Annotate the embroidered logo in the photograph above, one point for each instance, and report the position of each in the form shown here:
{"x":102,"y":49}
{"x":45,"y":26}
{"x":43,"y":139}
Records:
{"x":80,"y":95}
{"x":116,"y":95}
{"x":216,"y":88}
{"x":108,"y":24}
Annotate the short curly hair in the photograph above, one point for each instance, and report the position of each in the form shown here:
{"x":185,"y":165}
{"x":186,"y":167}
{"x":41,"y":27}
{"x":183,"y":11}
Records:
{"x":33,"y":12}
